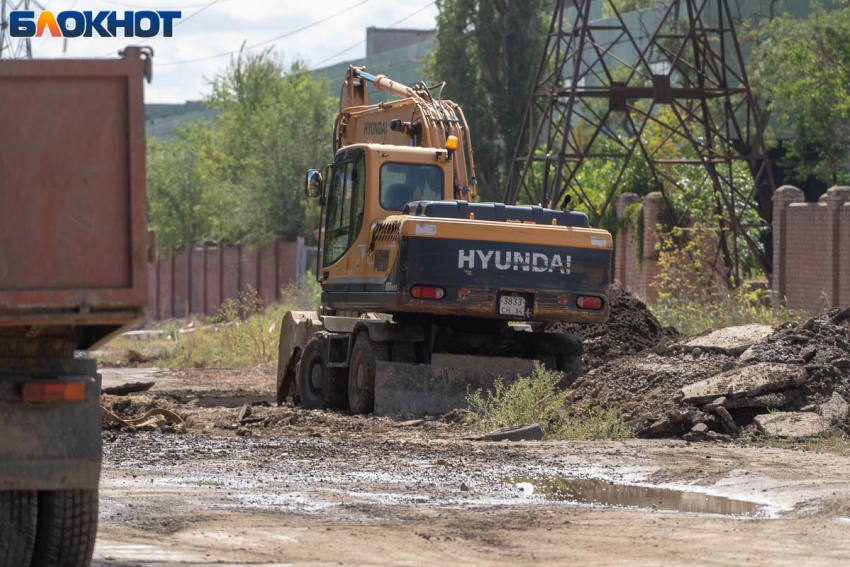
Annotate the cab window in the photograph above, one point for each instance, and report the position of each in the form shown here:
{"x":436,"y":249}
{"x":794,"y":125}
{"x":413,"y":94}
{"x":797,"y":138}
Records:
{"x":345,"y":206}
{"x":402,"y":183}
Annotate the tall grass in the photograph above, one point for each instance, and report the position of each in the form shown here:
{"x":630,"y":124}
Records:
{"x":245,"y":332}
{"x":536,"y":398}
{"x":693,"y":293}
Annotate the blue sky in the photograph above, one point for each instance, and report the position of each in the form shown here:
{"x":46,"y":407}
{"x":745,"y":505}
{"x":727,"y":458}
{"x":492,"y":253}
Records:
{"x":222,"y":26}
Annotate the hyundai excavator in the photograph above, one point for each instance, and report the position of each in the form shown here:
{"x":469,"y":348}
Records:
{"x":427,"y":294}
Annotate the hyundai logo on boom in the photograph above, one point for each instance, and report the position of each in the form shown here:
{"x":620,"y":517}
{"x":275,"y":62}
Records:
{"x":71,"y":23}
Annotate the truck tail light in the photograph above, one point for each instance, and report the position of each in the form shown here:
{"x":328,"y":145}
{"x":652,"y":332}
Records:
{"x":54,"y":392}
{"x":589,"y":302}
{"x":427,"y":292}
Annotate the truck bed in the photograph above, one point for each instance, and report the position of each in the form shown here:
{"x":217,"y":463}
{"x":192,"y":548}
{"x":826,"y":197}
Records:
{"x":73,"y":234}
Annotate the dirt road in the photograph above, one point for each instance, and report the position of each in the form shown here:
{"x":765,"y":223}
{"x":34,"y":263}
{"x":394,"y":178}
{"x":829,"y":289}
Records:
{"x":318,"y":488}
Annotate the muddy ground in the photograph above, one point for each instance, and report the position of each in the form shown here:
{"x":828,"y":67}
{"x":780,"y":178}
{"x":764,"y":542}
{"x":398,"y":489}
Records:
{"x":295,"y":487}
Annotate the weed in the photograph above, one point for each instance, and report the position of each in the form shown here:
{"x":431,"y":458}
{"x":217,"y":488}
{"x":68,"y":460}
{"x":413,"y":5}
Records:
{"x":536,"y":398}
{"x":591,"y":423}
{"x":692,"y":293}
{"x":833,"y":441}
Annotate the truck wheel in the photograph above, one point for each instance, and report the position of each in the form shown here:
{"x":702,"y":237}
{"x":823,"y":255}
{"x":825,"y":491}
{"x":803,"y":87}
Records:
{"x":18,"y":510}
{"x":361,"y":373}
{"x":321,"y":387}
{"x":67,"y":527}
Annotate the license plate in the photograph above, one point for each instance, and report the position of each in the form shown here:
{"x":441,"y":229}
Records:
{"x":510,"y":305}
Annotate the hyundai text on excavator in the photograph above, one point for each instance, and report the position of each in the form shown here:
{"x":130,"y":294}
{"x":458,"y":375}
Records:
{"x":426,"y":293}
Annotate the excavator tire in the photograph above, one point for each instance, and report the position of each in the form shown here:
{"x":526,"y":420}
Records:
{"x":320,"y":387}
{"x":361,"y":372}
{"x":403,"y":352}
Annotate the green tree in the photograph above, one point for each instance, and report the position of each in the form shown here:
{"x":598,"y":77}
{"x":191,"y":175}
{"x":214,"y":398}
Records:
{"x":488,"y":53}
{"x":801,"y":70}
{"x":240,"y":179}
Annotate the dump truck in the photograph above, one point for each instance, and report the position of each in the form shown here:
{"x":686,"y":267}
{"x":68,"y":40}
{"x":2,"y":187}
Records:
{"x":427,"y":293}
{"x":74,"y":252}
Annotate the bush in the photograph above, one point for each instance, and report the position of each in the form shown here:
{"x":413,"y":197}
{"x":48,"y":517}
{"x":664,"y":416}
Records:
{"x":538,"y":399}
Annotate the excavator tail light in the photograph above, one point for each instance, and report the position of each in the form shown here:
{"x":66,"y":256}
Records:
{"x":589,"y":302}
{"x":451,"y":143}
{"x":427,"y":292}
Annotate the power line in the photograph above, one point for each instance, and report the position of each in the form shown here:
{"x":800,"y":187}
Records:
{"x":359,"y":43}
{"x":274,"y":39}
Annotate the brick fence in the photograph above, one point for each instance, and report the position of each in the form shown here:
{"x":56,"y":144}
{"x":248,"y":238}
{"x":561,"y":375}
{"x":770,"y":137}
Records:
{"x":811,"y":248}
{"x":811,"y":255}
{"x":199,"y":279}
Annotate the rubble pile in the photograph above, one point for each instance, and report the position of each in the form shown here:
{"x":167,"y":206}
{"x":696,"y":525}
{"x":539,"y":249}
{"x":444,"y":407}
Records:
{"x":631,"y":328}
{"x":791,"y":381}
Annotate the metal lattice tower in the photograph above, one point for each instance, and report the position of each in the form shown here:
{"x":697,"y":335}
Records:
{"x":675,"y":90}
{"x":14,"y":47}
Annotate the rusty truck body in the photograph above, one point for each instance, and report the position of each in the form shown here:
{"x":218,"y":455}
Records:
{"x":74,"y":249}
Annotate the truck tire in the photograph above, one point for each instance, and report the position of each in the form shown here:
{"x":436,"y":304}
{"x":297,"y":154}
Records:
{"x":320,"y":387}
{"x":18,"y":509}
{"x":361,"y":372}
{"x":67,"y":527}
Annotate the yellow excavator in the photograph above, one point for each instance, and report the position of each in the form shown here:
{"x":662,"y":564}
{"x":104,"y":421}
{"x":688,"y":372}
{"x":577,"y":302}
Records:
{"x":425,"y":292}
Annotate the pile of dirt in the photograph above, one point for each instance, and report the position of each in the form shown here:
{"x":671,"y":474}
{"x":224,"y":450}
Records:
{"x":802,"y":368}
{"x":630,"y":329}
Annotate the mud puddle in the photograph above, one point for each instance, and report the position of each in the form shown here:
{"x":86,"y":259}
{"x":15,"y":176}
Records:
{"x":605,"y":493}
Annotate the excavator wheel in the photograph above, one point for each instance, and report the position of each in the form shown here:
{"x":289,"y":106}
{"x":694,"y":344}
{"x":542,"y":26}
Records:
{"x":403,"y":352}
{"x":321,"y":387}
{"x":361,"y":372}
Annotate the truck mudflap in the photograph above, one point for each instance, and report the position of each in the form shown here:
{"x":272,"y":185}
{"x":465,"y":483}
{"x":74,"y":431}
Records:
{"x":49,"y":445}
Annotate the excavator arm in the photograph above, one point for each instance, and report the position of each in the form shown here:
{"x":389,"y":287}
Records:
{"x":416,"y":119}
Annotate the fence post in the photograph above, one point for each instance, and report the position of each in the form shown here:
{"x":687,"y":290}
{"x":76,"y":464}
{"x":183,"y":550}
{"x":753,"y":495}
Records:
{"x":782,"y":199}
{"x":621,"y":241}
{"x":835,"y":197}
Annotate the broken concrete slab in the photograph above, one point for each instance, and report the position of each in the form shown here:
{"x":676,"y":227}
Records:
{"x":835,"y":410}
{"x":439,"y":387}
{"x":795,"y":425}
{"x":745,"y":382}
{"x":731,"y":340}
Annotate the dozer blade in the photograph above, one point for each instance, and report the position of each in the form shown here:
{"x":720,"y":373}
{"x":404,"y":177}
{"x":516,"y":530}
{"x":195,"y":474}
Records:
{"x":295,"y":330}
{"x":439,"y":387}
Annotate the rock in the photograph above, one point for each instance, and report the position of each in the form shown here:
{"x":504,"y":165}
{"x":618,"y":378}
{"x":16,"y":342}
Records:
{"x":293,"y":419}
{"x":244,"y":413}
{"x":773,"y":400}
{"x":719,"y":402}
{"x":699,"y":428}
{"x":243,"y":432}
{"x":795,"y":425}
{"x":464,"y":487}
{"x":662,"y":347}
{"x":748,"y":381}
{"x":129,"y":388}
{"x":697,"y":351}
{"x":748,"y":355}
{"x":409,"y":423}
{"x":442,"y":463}
{"x":835,"y":410}
{"x":732,"y":340}
{"x":808,"y":353}
{"x":809,"y":324}
{"x":726,"y":420}
{"x":841,"y":363}
{"x":660,"y":428}
{"x":714,"y":436}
